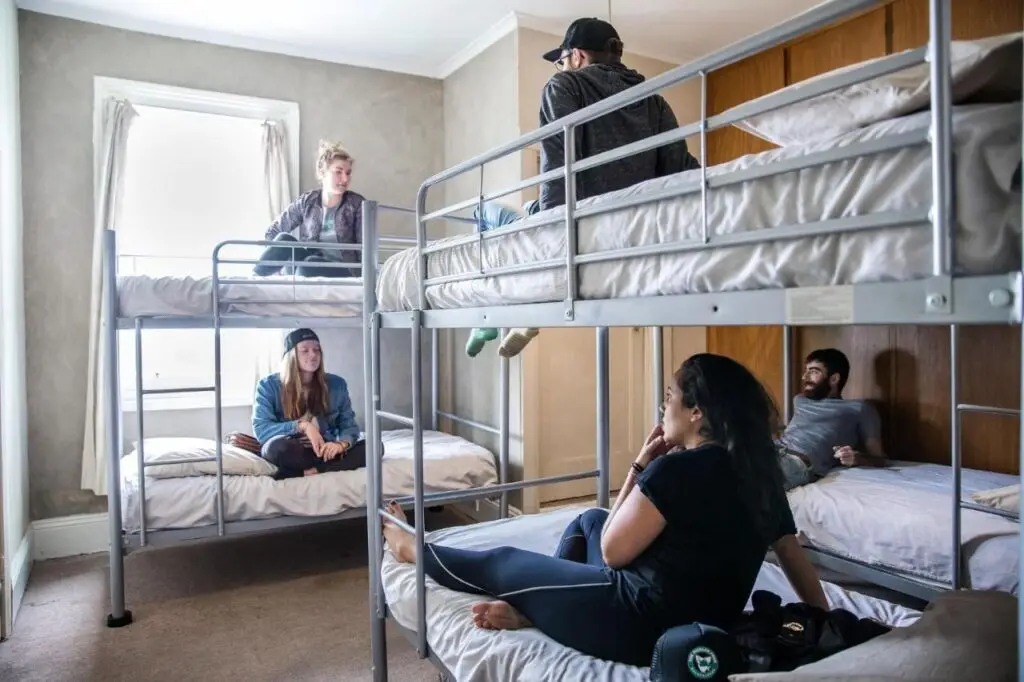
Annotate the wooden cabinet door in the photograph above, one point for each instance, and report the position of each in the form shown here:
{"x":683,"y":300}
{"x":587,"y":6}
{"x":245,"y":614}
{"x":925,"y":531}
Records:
{"x":560,"y":406}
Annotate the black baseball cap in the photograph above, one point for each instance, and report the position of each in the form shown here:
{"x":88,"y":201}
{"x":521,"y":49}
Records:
{"x":298,"y":336}
{"x":584,"y":34}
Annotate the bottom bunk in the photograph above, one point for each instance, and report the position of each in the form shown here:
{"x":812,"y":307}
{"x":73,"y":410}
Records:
{"x":471,"y":654}
{"x":183,"y":496}
{"x":900,"y":518}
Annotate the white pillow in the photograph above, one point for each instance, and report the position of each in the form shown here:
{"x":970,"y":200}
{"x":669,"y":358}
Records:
{"x":236,"y":461}
{"x":1007,"y":499}
{"x":986,"y":70}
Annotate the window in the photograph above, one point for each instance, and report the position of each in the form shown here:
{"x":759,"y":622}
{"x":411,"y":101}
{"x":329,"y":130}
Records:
{"x":194,"y":177}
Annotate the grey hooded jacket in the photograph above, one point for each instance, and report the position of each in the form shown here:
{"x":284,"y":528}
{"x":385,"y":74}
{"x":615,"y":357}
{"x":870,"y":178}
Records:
{"x":571,"y":91}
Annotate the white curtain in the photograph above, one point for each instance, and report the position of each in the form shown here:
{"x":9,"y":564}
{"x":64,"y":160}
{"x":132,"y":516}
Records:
{"x":110,"y":149}
{"x":275,"y":167}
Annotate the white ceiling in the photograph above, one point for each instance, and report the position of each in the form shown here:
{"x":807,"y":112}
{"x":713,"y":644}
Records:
{"x":427,"y":37}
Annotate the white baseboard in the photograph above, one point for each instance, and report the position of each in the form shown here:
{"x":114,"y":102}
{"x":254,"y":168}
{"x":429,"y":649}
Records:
{"x":21,"y":567}
{"x":70,"y":536}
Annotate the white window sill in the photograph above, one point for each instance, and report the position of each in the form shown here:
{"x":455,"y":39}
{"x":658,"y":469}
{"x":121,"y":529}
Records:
{"x":185,"y":401}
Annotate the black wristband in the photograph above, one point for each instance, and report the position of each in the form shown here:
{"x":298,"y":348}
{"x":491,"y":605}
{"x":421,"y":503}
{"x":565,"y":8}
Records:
{"x":637,"y":469}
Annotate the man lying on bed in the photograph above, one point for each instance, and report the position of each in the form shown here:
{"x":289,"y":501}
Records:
{"x":590,"y":69}
{"x":826,"y":429}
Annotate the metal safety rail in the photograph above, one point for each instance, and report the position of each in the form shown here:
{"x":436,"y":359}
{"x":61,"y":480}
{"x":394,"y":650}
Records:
{"x":220,"y":318}
{"x":940,"y":298}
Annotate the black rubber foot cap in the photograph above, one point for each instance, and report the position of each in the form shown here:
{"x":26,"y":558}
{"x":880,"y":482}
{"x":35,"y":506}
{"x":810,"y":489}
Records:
{"x":126,"y":619}
{"x":436,"y":509}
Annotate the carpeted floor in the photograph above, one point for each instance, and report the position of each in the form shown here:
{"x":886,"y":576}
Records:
{"x":288,"y":606}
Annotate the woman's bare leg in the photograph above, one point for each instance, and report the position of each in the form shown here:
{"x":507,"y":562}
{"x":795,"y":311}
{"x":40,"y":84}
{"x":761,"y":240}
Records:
{"x":490,"y":615}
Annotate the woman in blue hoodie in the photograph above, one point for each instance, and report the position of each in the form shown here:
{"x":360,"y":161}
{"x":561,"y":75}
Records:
{"x":303,"y":417}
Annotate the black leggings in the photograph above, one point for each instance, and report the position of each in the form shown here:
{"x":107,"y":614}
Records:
{"x":301,"y":255}
{"x":572,"y":597}
{"x":292,"y":458}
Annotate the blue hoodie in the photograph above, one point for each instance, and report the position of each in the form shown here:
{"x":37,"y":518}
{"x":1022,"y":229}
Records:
{"x":269,"y":423}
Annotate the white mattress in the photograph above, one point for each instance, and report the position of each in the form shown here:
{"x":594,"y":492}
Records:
{"x":475,"y":655}
{"x":987,"y":141}
{"x":450,"y":463}
{"x":143,"y":295}
{"x":900,"y":517}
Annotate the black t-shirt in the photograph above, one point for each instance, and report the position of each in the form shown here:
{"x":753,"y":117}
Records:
{"x":703,"y":565}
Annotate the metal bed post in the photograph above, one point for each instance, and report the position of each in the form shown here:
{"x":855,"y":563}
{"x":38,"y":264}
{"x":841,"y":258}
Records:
{"x":119,"y":616}
{"x":940,"y":35}
{"x":434,"y":379}
{"x":787,"y":372}
{"x":657,"y":372}
{"x":378,"y":637}
{"x":140,"y":425}
{"x":941,"y":137}
{"x":217,"y":397}
{"x":569,"y":143}
{"x":955,"y":455}
{"x":704,"y":156}
{"x":603,"y":420}
{"x":503,"y":430}
{"x":418,"y":506}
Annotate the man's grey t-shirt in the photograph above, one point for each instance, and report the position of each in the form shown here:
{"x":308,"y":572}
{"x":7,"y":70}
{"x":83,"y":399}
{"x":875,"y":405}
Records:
{"x":818,"y":426}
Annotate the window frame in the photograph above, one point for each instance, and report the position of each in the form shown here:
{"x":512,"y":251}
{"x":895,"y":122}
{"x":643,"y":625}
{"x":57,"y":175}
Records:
{"x":205,"y":102}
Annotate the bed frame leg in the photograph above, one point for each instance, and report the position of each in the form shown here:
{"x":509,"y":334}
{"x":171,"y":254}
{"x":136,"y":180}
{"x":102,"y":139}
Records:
{"x":118,"y":616}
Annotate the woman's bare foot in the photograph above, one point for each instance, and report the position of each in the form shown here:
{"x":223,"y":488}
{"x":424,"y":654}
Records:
{"x":401,"y":543}
{"x":498,"y":615}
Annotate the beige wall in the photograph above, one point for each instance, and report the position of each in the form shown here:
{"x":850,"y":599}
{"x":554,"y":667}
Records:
{"x":391,"y":122}
{"x":480,"y":113}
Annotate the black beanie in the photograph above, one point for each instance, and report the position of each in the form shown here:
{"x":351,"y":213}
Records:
{"x":296,"y":337}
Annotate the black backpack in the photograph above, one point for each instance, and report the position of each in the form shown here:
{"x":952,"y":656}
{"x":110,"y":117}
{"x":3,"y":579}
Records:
{"x":771,"y":638}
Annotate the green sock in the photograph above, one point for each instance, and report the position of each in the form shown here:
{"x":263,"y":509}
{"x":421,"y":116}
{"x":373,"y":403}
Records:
{"x":478,"y":337}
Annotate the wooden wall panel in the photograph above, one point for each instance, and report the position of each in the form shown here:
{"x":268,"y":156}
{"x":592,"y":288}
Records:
{"x":737,"y":83}
{"x":861,"y":38}
{"x":971,"y":19}
{"x":905,"y":369}
{"x":758,"y":348}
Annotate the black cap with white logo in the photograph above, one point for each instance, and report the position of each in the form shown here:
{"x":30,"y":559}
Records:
{"x":584,"y":34}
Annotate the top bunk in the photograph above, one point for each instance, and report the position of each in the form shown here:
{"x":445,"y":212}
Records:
{"x":228,"y":298}
{"x":893,"y":196}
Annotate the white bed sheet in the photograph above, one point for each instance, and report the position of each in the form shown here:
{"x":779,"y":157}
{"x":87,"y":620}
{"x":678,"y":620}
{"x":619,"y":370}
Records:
{"x":145,"y":295}
{"x":475,"y":655}
{"x":900,"y":517}
{"x":450,"y":463}
{"x":988,"y":151}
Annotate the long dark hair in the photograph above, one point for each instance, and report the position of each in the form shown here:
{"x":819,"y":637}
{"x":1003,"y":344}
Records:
{"x":740,"y":415}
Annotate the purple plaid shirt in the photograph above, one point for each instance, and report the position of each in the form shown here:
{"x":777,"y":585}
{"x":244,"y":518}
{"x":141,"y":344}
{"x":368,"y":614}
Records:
{"x":306,"y":214}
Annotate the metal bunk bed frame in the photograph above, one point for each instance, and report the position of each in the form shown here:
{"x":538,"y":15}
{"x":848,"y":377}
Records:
{"x":941,"y":298}
{"x":122,"y":542}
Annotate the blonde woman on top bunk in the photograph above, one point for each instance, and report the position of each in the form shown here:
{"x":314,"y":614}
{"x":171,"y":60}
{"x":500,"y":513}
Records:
{"x":330,"y":214}
{"x":303,"y":416}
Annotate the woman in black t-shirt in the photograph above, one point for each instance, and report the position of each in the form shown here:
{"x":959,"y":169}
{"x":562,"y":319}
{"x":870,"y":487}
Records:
{"x":683,"y":543}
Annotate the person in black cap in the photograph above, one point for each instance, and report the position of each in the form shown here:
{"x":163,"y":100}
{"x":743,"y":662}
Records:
{"x":683,"y":543}
{"x":303,"y":417}
{"x":590,"y":69}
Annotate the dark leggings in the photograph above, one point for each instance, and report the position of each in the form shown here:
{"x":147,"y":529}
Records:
{"x":301,"y":255}
{"x":572,"y":597}
{"x":292,"y":458}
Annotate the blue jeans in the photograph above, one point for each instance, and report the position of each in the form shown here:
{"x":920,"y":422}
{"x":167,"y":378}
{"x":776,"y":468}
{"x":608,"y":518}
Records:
{"x":495,"y":215}
{"x":298,"y":256}
{"x":795,"y":471}
{"x":572,"y":597}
